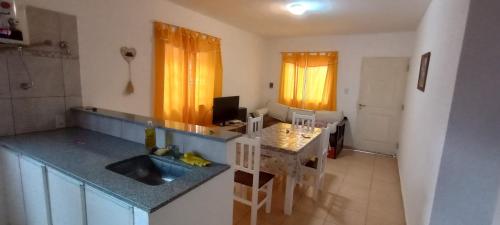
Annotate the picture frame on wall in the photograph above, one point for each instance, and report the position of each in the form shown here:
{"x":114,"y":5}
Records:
{"x":424,"y":67}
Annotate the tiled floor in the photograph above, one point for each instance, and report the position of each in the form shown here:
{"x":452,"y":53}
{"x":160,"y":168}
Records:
{"x":360,"y":189}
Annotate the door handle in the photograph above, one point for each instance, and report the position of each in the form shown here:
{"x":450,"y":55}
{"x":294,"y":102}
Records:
{"x":361,"y":106}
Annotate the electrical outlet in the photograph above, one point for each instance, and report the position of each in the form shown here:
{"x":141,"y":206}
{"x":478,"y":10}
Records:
{"x":60,"y":121}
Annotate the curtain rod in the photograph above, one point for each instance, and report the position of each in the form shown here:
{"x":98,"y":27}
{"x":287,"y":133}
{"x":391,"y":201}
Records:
{"x":187,"y":29}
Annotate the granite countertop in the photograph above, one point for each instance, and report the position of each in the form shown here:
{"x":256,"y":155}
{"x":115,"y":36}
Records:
{"x":213,"y":133}
{"x":84,"y":154}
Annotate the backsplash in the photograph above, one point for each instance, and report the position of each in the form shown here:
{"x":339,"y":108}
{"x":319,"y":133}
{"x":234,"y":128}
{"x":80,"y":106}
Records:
{"x":54,"y":70}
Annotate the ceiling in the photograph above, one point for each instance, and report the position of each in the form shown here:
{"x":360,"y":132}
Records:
{"x":270,"y":19}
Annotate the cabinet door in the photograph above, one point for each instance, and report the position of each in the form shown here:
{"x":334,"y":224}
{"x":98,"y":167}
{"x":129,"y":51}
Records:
{"x":103,"y":209}
{"x":12,"y":187}
{"x":36,"y":199}
{"x":67,"y":199}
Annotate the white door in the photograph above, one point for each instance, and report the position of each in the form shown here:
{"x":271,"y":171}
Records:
{"x":12,"y":188}
{"x":103,"y":209}
{"x":36,"y":198}
{"x":67,"y":199}
{"x":380,"y":103}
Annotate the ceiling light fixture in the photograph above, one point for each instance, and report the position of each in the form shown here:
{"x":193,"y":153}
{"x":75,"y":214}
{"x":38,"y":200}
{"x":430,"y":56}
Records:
{"x":297,"y":8}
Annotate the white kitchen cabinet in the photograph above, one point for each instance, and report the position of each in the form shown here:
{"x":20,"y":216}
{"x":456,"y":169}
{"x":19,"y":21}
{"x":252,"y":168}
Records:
{"x":13,"y":202}
{"x":67,"y":199}
{"x":103,"y":209}
{"x":35,"y":189}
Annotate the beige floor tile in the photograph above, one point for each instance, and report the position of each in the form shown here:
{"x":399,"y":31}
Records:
{"x":359,"y":189}
{"x":333,"y":182}
{"x":354,"y":192}
{"x":337,"y":166}
{"x":375,"y":220}
{"x":346,"y":204}
{"x":386,"y":197}
{"x":360,"y":181}
{"x":384,"y":218}
{"x":386,"y":186}
{"x":345,"y":217}
{"x":318,"y":209}
{"x":299,"y":218}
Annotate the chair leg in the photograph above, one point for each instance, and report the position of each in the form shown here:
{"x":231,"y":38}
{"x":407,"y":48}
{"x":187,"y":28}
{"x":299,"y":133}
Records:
{"x":269,"y":196}
{"x":255,"y":206}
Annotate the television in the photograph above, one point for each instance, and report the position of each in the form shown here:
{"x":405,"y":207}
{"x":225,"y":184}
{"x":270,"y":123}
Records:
{"x":225,"y":109}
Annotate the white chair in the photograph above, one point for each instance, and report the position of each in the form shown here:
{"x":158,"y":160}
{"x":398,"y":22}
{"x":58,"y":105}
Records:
{"x":316,"y":168}
{"x":304,"y":121}
{"x":247,"y":173}
{"x":255,"y":126}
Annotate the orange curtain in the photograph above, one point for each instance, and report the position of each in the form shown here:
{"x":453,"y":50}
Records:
{"x":188,"y":74}
{"x":309,"y":80}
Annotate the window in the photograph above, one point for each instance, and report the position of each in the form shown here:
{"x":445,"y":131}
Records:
{"x":188,"y":74}
{"x":309,"y":80}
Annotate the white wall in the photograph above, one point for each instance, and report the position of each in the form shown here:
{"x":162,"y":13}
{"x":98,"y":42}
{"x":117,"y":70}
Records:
{"x":351,"y":48}
{"x":105,"y":26}
{"x":3,"y":203}
{"x":496,"y":218}
{"x":426,"y":116}
{"x":469,"y":180}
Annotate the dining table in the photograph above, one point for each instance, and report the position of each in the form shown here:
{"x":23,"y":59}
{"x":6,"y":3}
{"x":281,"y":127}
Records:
{"x":287,"y":148}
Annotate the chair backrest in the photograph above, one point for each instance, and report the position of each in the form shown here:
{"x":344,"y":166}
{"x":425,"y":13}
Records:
{"x":324,"y":147}
{"x":247,"y":155}
{"x":254,"y":126}
{"x":304,"y":121}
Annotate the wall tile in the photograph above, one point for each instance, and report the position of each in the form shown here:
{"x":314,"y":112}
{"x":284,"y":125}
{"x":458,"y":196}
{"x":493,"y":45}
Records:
{"x":72,"y":83}
{"x":69,"y":32}
{"x":86,"y":121}
{"x":37,"y":114}
{"x":133,"y":132}
{"x":4,"y":78}
{"x":43,"y":25}
{"x":109,"y":126}
{"x":209,"y":149}
{"x":160,"y":137}
{"x":71,"y":102}
{"x":6,"y":122}
{"x":46,"y":73}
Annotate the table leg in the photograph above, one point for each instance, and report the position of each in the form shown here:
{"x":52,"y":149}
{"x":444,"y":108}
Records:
{"x":290,"y":188}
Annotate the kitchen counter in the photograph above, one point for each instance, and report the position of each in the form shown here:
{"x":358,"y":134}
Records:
{"x":84,"y":154}
{"x":213,"y":133}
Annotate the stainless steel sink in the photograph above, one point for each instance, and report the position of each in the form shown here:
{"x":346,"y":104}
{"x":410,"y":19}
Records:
{"x":149,"y":170}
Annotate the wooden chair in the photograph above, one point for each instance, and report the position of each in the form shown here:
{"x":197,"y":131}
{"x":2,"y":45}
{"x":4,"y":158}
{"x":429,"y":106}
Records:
{"x":316,"y":168}
{"x":247,"y":173}
{"x":255,"y":126}
{"x":304,"y":121}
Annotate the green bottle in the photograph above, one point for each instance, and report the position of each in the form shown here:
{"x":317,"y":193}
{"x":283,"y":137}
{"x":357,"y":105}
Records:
{"x":150,"y":132}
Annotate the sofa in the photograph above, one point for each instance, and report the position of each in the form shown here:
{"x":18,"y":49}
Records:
{"x":275,"y":112}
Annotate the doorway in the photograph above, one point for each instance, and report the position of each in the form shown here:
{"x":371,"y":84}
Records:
{"x":380,"y":103}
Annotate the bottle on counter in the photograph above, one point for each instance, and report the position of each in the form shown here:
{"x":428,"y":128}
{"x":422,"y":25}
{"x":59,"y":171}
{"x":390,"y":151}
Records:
{"x":150,"y":135}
